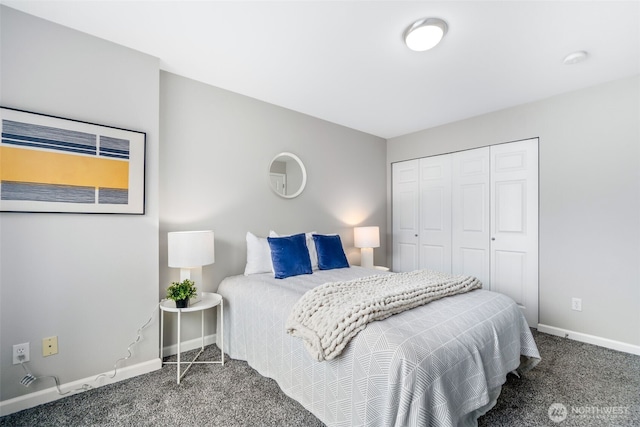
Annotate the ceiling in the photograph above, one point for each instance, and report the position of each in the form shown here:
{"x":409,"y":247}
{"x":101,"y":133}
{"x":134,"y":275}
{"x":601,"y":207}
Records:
{"x":345,"y":61}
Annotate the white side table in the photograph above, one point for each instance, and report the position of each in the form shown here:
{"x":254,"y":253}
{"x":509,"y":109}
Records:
{"x":209,"y":300}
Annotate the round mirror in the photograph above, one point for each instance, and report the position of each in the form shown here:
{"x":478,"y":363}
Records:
{"x":287,"y":175}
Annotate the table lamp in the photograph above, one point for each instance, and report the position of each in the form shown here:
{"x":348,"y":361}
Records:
{"x":366,"y":238}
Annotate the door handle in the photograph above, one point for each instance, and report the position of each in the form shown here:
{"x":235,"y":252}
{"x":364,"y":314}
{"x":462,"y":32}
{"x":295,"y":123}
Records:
{"x":493,"y":238}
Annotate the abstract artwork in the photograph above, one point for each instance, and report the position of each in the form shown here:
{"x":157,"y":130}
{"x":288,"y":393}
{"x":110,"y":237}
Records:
{"x":51,"y":164}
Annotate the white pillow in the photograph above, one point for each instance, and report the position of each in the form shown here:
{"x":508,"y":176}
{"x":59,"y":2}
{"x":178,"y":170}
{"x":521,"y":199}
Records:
{"x":258,"y":255}
{"x":313,"y":255}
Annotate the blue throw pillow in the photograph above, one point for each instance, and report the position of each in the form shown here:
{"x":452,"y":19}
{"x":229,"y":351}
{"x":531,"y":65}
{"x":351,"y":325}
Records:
{"x":330,"y":252}
{"x":289,"y":255}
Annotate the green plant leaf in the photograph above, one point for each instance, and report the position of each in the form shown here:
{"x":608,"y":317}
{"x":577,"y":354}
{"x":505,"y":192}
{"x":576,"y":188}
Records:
{"x":182,"y":290}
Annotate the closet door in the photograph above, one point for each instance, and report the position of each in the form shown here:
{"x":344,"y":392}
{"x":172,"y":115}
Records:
{"x":435,"y":213}
{"x":514,"y":224}
{"x":404,"y":213}
{"x":470,"y":214}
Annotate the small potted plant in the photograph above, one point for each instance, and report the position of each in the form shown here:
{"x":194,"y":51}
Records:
{"x":180,"y":292}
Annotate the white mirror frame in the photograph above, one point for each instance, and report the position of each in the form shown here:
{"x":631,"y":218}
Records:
{"x":302,"y":168}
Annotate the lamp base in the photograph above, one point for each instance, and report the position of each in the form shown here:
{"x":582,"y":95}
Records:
{"x":366,"y":257}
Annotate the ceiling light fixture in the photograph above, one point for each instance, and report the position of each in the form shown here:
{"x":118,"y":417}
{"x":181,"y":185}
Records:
{"x":575,"y":57}
{"x":425,"y":34}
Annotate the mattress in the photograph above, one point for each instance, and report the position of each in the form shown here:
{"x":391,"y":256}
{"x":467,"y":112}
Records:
{"x":441,"y":364}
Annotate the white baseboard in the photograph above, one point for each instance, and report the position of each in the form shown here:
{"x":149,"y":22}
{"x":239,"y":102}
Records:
{"x":50,"y":394}
{"x":590,"y":339}
{"x":170,"y":350}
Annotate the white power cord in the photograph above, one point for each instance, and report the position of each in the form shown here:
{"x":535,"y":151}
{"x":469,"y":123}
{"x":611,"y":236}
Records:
{"x":29,"y":378}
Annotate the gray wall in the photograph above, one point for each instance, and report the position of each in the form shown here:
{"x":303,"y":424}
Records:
{"x":589,"y":199}
{"x":210,"y":137}
{"x":92,"y":280}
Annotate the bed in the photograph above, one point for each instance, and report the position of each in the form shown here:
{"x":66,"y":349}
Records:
{"x":440,"y":364}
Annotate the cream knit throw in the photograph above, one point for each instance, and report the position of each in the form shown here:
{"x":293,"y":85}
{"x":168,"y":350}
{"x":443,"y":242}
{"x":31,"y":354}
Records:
{"x":328,"y":316}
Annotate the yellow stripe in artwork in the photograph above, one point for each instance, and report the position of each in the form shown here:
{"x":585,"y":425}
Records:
{"x":45,"y":167}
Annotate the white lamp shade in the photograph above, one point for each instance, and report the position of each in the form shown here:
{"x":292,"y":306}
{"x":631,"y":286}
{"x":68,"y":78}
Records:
{"x":366,"y":237}
{"x":190,"y":249}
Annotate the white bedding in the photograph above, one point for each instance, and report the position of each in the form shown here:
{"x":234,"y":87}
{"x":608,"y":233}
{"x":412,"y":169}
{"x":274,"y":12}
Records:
{"x":441,"y":364}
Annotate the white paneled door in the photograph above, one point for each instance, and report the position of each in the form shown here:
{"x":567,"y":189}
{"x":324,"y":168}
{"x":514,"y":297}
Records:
{"x":405,"y":211}
{"x":435,"y":213}
{"x":514,"y":224}
{"x":470,"y":214}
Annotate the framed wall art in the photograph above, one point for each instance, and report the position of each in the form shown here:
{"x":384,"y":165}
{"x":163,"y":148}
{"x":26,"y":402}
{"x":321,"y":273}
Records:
{"x":52,"y":164}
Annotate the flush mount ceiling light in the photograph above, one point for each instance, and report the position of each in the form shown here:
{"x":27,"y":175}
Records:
{"x":575,"y":57}
{"x":425,"y":34}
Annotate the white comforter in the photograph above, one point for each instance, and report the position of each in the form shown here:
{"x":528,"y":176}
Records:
{"x":441,"y":364}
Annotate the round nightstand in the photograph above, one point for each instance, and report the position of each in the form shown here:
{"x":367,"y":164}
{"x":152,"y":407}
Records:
{"x":209,"y":300}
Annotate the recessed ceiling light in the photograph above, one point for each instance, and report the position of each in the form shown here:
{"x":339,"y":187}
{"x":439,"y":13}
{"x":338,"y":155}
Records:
{"x":575,"y":57}
{"x":425,"y":34}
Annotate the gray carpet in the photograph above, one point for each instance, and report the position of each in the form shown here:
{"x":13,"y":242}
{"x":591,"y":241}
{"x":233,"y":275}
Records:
{"x":591,"y":382}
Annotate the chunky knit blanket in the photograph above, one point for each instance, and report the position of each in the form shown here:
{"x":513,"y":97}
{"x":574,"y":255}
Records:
{"x":328,"y":316}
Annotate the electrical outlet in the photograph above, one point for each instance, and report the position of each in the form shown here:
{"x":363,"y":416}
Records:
{"x":576,"y":304}
{"x":49,"y":346}
{"x":20,"y":350}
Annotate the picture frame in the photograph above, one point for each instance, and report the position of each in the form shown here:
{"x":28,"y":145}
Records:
{"x":58,"y":165}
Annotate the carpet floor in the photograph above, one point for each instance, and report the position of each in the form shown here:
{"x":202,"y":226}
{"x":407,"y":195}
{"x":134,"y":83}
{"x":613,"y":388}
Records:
{"x":587,"y":386}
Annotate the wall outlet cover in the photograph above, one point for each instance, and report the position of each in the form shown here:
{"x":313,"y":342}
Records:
{"x":20,"y":350}
{"x":49,"y":346}
{"x":576,"y":304}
